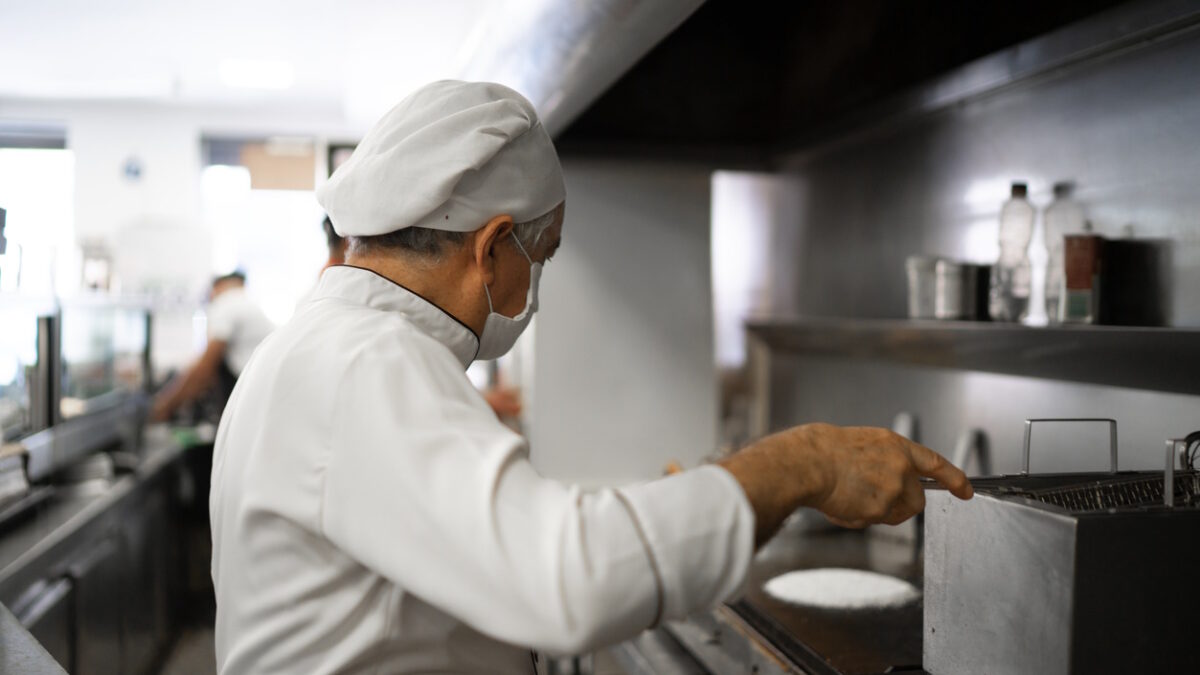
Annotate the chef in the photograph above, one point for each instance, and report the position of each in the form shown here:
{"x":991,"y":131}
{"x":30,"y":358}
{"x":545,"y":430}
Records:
{"x":369,"y":511}
{"x":335,"y":243}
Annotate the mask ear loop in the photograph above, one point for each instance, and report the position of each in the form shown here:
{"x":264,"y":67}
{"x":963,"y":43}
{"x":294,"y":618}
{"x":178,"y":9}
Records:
{"x":489,"y":299}
{"x":524,"y":253}
{"x":522,"y":248}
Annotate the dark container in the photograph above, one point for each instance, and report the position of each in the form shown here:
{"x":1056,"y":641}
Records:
{"x":1135,"y":285}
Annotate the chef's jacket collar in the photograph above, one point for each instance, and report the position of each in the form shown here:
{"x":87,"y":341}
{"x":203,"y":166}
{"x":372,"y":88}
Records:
{"x":366,"y":287}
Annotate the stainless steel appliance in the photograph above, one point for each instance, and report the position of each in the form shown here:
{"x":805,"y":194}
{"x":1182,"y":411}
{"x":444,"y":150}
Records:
{"x":104,"y":355}
{"x":1051,"y":573}
{"x":1065,"y":573}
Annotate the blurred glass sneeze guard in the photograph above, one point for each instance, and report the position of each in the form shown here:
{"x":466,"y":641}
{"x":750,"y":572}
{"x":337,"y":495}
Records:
{"x":103,"y":356}
{"x":18,"y":366}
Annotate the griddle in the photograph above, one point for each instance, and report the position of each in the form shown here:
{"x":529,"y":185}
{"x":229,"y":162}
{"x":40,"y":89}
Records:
{"x":837,"y":642}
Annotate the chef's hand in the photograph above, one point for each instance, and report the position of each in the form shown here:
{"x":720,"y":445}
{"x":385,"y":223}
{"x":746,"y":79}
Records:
{"x":856,"y":476}
{"x":161,"y":408}
{"x":874,"y":475}
{"x":504,"y":401}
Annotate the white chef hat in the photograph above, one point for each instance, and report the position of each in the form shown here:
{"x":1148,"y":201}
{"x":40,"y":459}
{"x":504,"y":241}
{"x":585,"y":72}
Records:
{"x":451,"y":156}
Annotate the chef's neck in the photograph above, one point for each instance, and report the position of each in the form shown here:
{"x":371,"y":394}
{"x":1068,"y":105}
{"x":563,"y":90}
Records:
{"x":452,"y":283}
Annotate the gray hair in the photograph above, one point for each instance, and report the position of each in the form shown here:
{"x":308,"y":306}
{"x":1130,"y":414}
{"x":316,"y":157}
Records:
{"x":429,"y":244}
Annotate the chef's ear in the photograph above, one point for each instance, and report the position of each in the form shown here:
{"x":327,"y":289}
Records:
{"x":487,"y":238}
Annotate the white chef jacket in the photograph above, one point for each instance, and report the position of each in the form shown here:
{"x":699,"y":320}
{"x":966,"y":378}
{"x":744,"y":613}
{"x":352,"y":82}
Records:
{"x":371,"y":514}
{"x":235,"y":319}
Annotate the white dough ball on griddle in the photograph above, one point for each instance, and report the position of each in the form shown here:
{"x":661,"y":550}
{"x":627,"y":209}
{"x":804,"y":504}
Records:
{"x":837,"y":588}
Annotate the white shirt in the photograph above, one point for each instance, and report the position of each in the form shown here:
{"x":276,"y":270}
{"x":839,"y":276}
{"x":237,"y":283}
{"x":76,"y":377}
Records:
{"x":370,"y":514}
{"x":235,"y":319}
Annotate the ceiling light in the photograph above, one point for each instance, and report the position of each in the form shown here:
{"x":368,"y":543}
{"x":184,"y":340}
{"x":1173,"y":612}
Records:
{"x":273,"y":75}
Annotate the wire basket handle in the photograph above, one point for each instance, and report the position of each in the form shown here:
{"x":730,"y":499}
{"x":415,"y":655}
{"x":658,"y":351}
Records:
{"x":1112,"y":438}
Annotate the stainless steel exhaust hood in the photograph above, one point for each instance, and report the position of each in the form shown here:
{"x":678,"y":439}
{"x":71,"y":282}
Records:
{"x":563,"y":55}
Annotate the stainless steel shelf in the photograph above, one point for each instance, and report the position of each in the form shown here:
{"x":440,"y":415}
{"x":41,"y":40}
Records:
{"x":1158,"y":359}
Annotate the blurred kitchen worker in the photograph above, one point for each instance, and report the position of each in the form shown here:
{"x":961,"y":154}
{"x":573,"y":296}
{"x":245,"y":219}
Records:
{"x":236,"y":326}
{"x":371,"y":514}
{"x":336,"y":244}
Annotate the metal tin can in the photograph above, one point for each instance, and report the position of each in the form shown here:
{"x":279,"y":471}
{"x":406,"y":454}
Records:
{"x":949,"y":284}
{"x":922,"y":286}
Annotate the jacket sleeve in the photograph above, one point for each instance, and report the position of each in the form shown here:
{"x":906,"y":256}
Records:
{"x":425,"y":487}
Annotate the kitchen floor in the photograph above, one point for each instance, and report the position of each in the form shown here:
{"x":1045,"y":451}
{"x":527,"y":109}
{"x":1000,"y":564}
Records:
{"x":193,"y":654}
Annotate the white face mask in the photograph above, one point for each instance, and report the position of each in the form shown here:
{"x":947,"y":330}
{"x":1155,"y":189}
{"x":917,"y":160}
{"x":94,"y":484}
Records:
{"x":500,"y":332}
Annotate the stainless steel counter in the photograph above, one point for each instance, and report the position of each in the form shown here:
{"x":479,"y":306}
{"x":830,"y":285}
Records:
{"x":20,"y":652}
{"x":87,"y":574}
{"x":68,"y":513}
{"x":51,"y":522}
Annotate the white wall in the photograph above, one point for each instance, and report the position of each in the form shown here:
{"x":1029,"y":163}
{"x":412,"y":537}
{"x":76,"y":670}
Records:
{"x":153,"y":225}
{"x":149,"y":222}
{"x":168,"y":152}
{"x":625,"y":378}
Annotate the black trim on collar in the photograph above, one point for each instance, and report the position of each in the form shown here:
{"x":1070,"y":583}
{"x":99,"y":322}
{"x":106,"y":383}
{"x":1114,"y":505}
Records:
{"x":431,"y":303}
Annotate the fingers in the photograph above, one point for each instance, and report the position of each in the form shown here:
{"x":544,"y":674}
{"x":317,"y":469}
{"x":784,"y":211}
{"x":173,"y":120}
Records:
{"x":910,"y":503}
{"x":877,"y":479}
{"x":932,"y":465}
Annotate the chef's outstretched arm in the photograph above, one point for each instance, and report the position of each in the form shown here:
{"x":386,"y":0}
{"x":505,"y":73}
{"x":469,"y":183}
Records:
{"x":193,"y":383}
{"x":855,"y":475}
{"x":423,"y":485}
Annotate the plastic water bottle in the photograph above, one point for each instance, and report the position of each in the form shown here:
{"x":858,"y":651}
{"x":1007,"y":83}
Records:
{"x":1064,"y":216}
{"x":1012,"y":275}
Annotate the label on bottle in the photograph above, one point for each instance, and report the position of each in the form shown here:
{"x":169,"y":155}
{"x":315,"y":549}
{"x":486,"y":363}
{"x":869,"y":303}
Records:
{"x":1082,"y":255}
{"x":1082,"y":260}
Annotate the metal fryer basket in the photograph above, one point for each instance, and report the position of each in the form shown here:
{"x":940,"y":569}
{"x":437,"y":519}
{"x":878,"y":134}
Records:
{"x":1171,"y":488}
{"x":1116,"y":493}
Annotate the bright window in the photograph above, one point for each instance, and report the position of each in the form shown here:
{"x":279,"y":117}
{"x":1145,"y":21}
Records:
{"x":274,"y":236}
{"x":37,"y":189}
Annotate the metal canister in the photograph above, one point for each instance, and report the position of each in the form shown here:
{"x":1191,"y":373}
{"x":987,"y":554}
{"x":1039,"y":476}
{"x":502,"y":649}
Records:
{"x":922,"y":286}
{"x":1135,"y":282}
{"x":949,"y":284}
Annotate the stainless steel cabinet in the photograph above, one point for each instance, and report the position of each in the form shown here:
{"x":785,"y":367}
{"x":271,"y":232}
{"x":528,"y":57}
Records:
{"x":47,"y":613}
{"x":99,"y":605}
{"x":94,"y":581}
{"x":145,"y":531}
